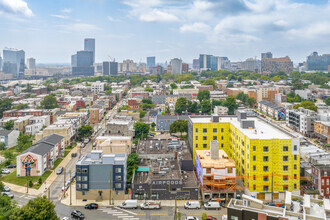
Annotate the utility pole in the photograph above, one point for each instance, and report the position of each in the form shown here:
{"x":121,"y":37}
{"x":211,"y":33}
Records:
{"x":110,"y":189}
{"x":64,"y":182}
{"x":272,"y":186}
{"x":175,"y":210}
{"x":49,"y":192}
{"x":70,"y":191}
{"x":27,"y":179}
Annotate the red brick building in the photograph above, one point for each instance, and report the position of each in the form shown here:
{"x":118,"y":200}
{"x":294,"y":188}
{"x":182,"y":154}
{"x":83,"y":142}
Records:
{"x":133,"y":104}
{"x":144,"y":95}
{"x":321,"y":179}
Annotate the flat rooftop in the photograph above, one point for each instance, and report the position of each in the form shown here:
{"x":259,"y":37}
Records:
{"x":262,"y":130}
{"x":223,"y":162}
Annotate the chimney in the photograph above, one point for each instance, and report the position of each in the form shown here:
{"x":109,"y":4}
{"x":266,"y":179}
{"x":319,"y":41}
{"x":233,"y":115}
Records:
{"x":214,"y":149}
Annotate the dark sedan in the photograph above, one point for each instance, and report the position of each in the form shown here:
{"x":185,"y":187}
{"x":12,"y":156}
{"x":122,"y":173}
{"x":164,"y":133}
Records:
{"x":77,"y":214}
{"x":91,"y":206}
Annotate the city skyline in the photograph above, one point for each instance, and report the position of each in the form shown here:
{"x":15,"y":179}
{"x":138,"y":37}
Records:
{"x":166,"y":29}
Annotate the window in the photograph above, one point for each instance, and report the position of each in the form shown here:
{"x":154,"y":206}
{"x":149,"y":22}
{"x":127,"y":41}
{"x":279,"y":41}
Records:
{"x":254,"y":148}
{"x":221,"y":137}
{"x":196,"y":130}
{"x":285,"y":148}
{"x":230,"y":170}
{"x":118,"y":185}
{"x":295,"y":176}
{"x":266,"y":159}
{"x":233,"y":218}
{"x":285,"y":158}
{"x":295,"y":186}
{"x":118,"y":178}
{"x":204,"y":138}
{"x":118,"y":170}
{"x":265,"y":149}
{"x":295,"y":157}
{"x":204,"y":130}
{"x":221,"y":145}
{"x":208,"y":170}
{"x":84,"y":170}
{"x":215,"y":130}
{"x":285,"y":188}
{"x":325,"y":173}
{"x":327,"y":190}
{"x":78,"y":178}
{"x":254,"y":158}
{"x":215,"y":138}
{"x":84,"y":186}
{"x":254,"y":168}
{"x":196,"y":145}
{"x":254,"y":187}
{"x":285,"y":177}
{"x":265,"y":178}
{"x":78,"y":170}
{"x":84,"y":178}
{"x":265,"y":168}
{"x":327,"y":181}
{"x":322,"y":181}
{"x":254,"y":177}
{"x":196,"y":138}
{"x":221,"y":130}
{"x":78,"y":186}
{"x":204,"y":145}
{"x":295,"y":167}
{"x":295,"y":147}
{"x":285,"y":168}
{"x":266,"y":188}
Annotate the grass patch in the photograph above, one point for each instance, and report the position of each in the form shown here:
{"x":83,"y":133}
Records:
{"x":66,"y":152}
{"x":57,"y":162}
{"x":21,"y":181}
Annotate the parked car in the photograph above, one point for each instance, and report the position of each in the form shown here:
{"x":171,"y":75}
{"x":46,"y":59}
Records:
{"x":270,"y":204}
{"x":9,"y":194}
{"x":66,"y":218}
{"x":59,"y":170}
{"x":67,"y":184}
{"x":212,"y":205}
{"x":211,"y":218}
{"x":73,"y":175}
{"x":191,"y":218}
{"x":92,"y":206}
{"x":129,"y":204}
{"x":150,"y":205}
{"x":86,"y":141}
{"x":94,"y":144}
{"x":5,"y":171}
{"x":11,"y":166}
{"x":77,"y":214}
{"x":74,"y":154}
{"x":192,"y":205}
{"x":6,"y":189}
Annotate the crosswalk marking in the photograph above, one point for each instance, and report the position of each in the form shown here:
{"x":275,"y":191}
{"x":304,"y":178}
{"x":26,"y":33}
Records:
{"x":119,"y":213}
{"x":124,"y":210}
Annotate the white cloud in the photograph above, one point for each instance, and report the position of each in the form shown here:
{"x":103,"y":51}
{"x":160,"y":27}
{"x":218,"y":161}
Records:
{"x":113,"y":19}
{"x":157,"y":15}
{"x":79,"y":27}
{"x":61,"y":16}
{"x":66,"y":10}
{"x":17,"y":7}
{"x":197,"y":27}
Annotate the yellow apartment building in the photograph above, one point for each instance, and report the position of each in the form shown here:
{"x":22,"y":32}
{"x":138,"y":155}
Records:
{"x":266,"y":158}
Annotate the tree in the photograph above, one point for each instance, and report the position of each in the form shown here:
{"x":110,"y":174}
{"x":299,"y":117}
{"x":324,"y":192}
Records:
{"x":204,"y":216}
{"x":230,"y":103}
{"x":2,"y":146}
{"x":5,"y":105}
{"x":132,"y":165}
{"x":181,"y":105}
{"x":85,"y":131}
{"x":242,"y":96}
{"x":216,"y":103}
{"x":142,"y":113}
{"x":108,"y":92}
{"x":179,"y":126}
{"x":49,"y":102}
{"x":173,"y":86}
{"x":7,"y":206}
{"x":124,"y":107}
{"x":327,"y":101}
{"x":206,"y":106}
{"x":298,"y":86}
{"x":153,"y":124}
{"x":210,"y":82}
{"x":23,"y":142}
{"x":9,"y":125}
{"x":21,"y":106}
{"x":147,"y":101}
{"x":148,"y":89}
{"x":203,"y":94}
{"x":307,"y":105}
{"x":39,"y":208}
{"x":251,"y":102}
{"x":141,"y":129}
{"x":192,"y":107}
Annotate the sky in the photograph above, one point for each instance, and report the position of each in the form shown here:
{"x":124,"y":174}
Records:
{"x":51,"y":31}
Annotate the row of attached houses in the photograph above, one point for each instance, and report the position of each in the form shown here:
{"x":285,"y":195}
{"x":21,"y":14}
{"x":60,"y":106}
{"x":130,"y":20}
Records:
{"x":275,"y":111}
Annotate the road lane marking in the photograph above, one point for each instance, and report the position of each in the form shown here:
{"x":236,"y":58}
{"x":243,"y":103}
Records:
{"x":124,"y":210}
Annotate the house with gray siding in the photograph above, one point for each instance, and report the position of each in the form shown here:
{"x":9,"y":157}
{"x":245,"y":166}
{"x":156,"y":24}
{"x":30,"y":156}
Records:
{"x":9,"y":137}
{"x":96,"y":173}
{"x":163,"y":122}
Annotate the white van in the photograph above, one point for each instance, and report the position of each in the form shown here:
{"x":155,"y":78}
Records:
{"x":212,"y":205}
{"x":129,"y":204}
{"x":150,"y":205}
{"x":192,"y":205}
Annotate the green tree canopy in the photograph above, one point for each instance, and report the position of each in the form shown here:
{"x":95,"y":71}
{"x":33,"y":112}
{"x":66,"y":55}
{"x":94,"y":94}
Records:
{"x":85,"y":131}
{"x":173,"y":86}
{"x":179,"y":126}
{"x":192,"y":107}
{"x":181,"y":105}
{"x":327,"y":101}
{"x":141,"y":129}
{"x":124,"y":107}
{"x":5,"y":105}
{"x":206,"y":106}
{"x":307,"y":105}
{"x":7,"y":206}
{"x":9,"y":125}
{"x":203,"y":94}
{"x":210,"y":82}
{"x":298,"y":86}
{"x":251,"y":102}
{"x":230,"y":103}
{"x":21,"y":106}
{"x":37,"y":209}
{"x":49,"y":102}
{"x":23,"y":142}
{"x":147,"y":101}
{"x":132,"y":165}
{"x":148,"y":89}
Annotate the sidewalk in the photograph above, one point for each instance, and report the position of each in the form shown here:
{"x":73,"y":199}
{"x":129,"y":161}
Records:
{"x":49,"y":181}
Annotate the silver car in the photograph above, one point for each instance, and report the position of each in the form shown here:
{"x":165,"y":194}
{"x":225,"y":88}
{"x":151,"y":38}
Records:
{"x":5,"y":171}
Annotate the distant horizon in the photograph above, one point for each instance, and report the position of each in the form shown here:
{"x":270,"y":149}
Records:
{"x":52,"y":31}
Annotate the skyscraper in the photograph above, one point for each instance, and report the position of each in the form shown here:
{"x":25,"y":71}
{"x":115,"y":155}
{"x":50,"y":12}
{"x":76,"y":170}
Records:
{"x":84,"y":63}
{"x":209,"y":62}
{"x":110,"y":68}
{"x":176,"y":66}
{"x":196,"y":64}
{"x":151,"y":62}
{"x":266,"y":55}
{"x":0,"y":63}
{"x":89,"y":45}
{"x":318,"y":62}
{"x":31,"y":63}
{"x":13,"y":61}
